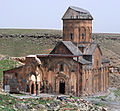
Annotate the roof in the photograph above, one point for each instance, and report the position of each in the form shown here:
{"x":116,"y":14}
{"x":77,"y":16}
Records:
{"x":73,"y":49}
{"x":78,"y":9}
{"x":105,"y":61}
{"x":89,"y":50}
{"x":70,"y":46}
{"x":82,"y":61}
{"x":77,"y":13}
{"x":13,"y":70}
{"x":58,"y":55}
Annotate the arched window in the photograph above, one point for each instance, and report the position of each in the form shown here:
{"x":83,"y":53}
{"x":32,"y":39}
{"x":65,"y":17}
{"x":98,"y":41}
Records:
{"x":77,"y":16}
{"x":82,"y":36}
{"x":82,"y":33}
{"x":39,"y":66}
{"x":61,"y":67}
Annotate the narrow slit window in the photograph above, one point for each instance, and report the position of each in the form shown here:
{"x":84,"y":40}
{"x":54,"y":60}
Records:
{"x":71,"y":36}
{"x":82,"y":36}
{"x":61,"y":67}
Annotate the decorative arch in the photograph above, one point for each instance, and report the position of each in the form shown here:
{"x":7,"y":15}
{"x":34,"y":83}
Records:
{"x":82,"y":34}
{"x":71,"y":33}
{"x":89,"y":34}
{"x":35,"y":79}
{"x":76,"y":34}
{"x":66,"y":32}
{"x":32,"y":87}
{"x":61,"y":78}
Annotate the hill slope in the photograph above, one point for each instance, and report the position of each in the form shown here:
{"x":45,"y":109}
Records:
{"x":22,"y":42}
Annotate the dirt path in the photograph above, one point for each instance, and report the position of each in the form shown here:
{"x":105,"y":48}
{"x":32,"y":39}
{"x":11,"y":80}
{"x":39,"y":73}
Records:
{"x":34,"y":96}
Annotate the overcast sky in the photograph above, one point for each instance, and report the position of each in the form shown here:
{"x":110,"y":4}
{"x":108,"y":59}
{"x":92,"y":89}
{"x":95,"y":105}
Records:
{"x":47,"y":14}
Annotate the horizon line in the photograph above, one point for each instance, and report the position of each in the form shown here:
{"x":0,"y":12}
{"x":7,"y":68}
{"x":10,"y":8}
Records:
{"x":22,"y":28}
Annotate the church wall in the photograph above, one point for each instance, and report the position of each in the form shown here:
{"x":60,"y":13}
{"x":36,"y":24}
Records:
{"x":55,"y":75}
{"x":50,"y":75}
{"x":73,"y":83}
{"x":95,"y":80}
{"x":81,"y":30}
{"x":97,"y":58}
{"x":19,"y":80}
{"x":90,"y":82}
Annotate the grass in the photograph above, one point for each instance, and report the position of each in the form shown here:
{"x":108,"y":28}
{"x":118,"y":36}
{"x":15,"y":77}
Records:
{"x":16,"y":47}
{"x":30,"y":31}
{"x":6,"y":64}
{"x":116,"y":92}
{"x":6,"y":102}
{"x":100,"y":97}
{"x":112,"y":45}
{"x":23,"y":46}
{"x":110,"y":48}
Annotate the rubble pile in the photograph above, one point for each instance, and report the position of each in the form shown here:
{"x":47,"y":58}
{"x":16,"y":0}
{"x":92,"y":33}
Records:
{"x":21,"y":60}
{"x":56,"y":103}
{"x":1,"y":57}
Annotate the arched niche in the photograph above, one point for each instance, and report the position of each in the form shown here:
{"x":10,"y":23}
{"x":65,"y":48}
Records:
{"x":76,"y":34}
{"x":62,"y":67}
{"x":82,"y":34}
{"x":61,"y":82}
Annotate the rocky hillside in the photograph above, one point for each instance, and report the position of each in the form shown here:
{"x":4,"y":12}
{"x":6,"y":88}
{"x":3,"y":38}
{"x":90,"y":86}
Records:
{"x":114,"y":80}
{"x":27,"y":44}
{"x":35,"y":41}
{"x":110,"y":44}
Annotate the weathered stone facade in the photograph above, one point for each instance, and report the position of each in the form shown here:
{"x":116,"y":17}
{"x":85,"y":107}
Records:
{"x":77,"y":30}
{"x":74,"y":66}
{"x":77,"y":25}
{"x":20,"y":79}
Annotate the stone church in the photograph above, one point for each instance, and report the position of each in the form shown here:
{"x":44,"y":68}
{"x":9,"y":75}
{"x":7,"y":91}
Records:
{"x":75,"y":65}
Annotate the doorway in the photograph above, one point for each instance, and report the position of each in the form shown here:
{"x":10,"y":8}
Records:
{"x":27,"y":88}
{"x":62,"y":87}
{"x":32,"y":89}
